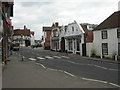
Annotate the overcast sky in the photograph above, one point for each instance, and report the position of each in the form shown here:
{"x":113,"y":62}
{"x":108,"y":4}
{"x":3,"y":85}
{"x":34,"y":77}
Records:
{"x":38,"y":13}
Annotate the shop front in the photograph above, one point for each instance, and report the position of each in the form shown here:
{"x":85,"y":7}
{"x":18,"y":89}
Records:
{"x":73,"y":44}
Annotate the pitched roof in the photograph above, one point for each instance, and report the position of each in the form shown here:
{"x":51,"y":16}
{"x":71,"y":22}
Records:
{"x":112,"y":21}
{"x":47,"y":28}
{"x":21,"y":31}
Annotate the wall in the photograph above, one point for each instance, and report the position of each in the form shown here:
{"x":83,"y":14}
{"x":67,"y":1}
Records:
{"x":89,"y":49}
{"x":32,"y":40}
{"x":112,"y":41}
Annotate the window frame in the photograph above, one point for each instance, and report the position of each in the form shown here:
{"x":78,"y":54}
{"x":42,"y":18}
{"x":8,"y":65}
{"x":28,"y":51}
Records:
{"x":104,"y":49}
{"x":118,"y":33}
{"x":104,"y":34}
{"x":118,"y":49}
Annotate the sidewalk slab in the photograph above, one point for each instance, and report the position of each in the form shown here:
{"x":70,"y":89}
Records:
{"x":26,"y":74}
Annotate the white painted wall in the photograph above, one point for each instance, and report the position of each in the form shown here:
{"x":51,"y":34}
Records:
{"x":77,"y":31}
{"x":112,"y":41}
{"x":89,"y":49}
{"x":32,"y":39}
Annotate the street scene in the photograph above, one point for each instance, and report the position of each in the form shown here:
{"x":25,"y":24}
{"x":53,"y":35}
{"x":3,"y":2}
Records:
{"x":60,"y":44}
{"x":70,"y":71}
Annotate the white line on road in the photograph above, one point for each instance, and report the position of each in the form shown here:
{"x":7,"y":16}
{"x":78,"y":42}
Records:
{"x":40,"y":58}
{"x":65,"y":57}
{"x":100,"y":66}
{"x":57,"y":57}
{"x":32,"y":59}
{"x":113,"y":69}
{"x":48,"y":57}
{"x":52,"y":69}
{"x":40,"y":65}
{"x":69,"y":74}
{"x":94,"y":80}
{"x":114,"y":84}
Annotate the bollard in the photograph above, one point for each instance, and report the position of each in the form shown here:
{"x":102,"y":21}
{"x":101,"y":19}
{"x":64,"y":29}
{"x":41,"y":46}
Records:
{"x":115,"y":57}
{"x":22,"y":58}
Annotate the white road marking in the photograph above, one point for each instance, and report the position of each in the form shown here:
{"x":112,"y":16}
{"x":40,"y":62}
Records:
{"x":94,"y":80}
{"x":69,"y":74}
{"x":52,"y":69}
{"x":40,"y":65}
{"x":40,"y":58}
{"x":65,"y":57}
{"x":57,"y":57}
{"x":113,"y":70}
{"x":100,"y":66}
{"x":32,"y":59}
{"x":48,"y":57}
{"x":114,"y":84}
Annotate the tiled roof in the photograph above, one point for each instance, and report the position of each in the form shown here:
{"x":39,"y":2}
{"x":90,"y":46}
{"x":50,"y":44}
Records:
{"x":112,"y":21}
{"x":47,"y":28}
{"x":21,"y":31}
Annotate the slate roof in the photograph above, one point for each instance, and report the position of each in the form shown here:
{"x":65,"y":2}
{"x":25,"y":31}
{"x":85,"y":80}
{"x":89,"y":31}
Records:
{"x":113,"y":21}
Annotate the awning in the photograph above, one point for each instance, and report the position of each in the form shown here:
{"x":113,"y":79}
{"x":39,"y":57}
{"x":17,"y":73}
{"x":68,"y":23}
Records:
{"x":55,"y":39}
{"x":73,"y":37}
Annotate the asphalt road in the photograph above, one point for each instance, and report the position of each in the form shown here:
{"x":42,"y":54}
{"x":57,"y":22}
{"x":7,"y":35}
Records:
{"x":86,"y":68}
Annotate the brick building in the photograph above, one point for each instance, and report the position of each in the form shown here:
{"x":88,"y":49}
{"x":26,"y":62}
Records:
{"x":22,"y":36}
{"x":46,"y":39}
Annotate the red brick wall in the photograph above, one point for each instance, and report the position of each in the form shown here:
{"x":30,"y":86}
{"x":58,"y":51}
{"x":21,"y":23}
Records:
{"x":47,"y":38}
{"x":89,"y":36}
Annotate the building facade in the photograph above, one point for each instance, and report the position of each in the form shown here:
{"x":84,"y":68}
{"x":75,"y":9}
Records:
{"x":32,"y":38}
{"x":55,"y":37}
{"x":6,"y":11}
{"x":46,"y":38}
{"x":74,"y":38}
{"x":22,"y":36}
{"x":79,"y":38}
{"x":107,"y":37}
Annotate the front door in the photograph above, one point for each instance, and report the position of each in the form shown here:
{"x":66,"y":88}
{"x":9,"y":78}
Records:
{"x":63,"y":45}
{"x":84,"y":49}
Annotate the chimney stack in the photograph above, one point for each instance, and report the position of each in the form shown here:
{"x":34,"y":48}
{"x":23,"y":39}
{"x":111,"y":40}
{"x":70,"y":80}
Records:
{"x":56,"y":24}
{"x":25,"y":28}
{"x":53,"y":25}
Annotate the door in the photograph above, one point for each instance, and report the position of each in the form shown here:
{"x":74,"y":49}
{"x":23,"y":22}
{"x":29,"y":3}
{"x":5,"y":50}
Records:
{"x":63,"y":45}
{"x":84,"y":49}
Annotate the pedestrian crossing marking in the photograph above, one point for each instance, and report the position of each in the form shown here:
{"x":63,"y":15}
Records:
{"x":65,"y":57}
{"x":57,"y":57}
{"x":48,"y":57}
{"x":32,"y":59}
{"x":40,"y":58}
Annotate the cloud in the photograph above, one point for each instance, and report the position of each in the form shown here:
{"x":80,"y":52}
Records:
{"x":44,"y":12}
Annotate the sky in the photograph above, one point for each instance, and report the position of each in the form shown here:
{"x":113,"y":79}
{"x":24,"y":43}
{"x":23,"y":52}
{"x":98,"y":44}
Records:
{"x":38,"y":13}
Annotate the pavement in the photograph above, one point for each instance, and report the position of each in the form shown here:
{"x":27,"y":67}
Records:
{"x":26,"y":74}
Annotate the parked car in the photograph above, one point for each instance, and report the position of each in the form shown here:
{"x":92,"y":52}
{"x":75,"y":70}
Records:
{"x":16,"y":46}
{"x":36,"y":45}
